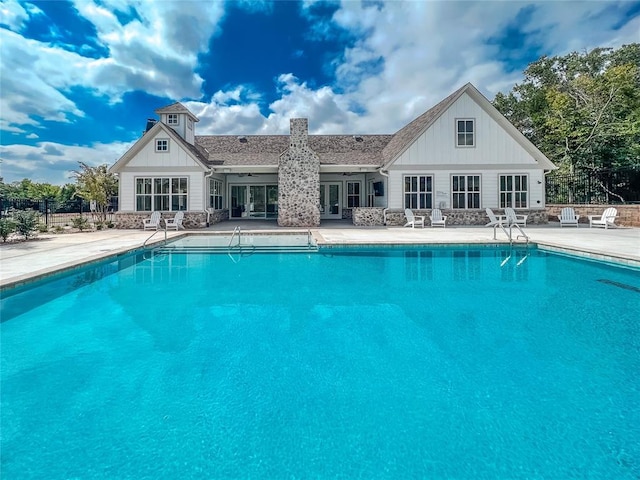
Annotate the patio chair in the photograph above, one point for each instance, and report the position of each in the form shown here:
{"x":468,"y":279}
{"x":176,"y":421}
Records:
{"x":412,"y":219}
{"x":515,"y":218}
{"x":153,"y":222}
{"x":493,"y":218}
{"x":174,"y":223}
{"x":568,"y":217}
{"x":605,"y":220}
{"x":437,"y":219}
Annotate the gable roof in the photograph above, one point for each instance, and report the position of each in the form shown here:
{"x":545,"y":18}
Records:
{"x":409,"y":133}
{"x":176,"y":107}
{"x":197,"y":153}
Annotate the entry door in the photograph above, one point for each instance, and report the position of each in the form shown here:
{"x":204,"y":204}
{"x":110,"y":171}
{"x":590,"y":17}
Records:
{"x":238,"y":201}
{"x":330,"y":205}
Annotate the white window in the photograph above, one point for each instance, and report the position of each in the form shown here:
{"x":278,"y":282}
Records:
{"x":418,"y":191}
{"x":162,"y":144}
{"x":215,"y":194}
{"x":465,"y":132}
{"x":465,"y":191}
{"x":161,"y":194}
{"x":353,"y":194}
{"x":514,"y":191}
{"x":173,"y":119}
{"x":189,"y":124}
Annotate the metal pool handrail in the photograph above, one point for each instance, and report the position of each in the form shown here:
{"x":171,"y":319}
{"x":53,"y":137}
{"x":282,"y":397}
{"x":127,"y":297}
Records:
{"x":165,"y":237}
{"x":239,"y":232}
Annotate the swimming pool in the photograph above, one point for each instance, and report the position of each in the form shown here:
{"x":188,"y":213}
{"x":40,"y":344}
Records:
{"x":405,"y":362}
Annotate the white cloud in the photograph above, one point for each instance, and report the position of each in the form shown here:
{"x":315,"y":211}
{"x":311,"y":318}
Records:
{"x":157,"y":54}
{"x":53,"y":163}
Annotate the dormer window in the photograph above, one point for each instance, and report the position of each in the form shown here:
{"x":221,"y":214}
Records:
{"x":465,"y":132}
{"x":162,"y":145}
{"x":173,"y":119}
{"x":189,"y":124}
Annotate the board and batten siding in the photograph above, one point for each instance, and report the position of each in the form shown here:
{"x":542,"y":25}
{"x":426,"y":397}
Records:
{"x":147,"y":157}
{"x":435,"y":153}
{"x":437,"y":145}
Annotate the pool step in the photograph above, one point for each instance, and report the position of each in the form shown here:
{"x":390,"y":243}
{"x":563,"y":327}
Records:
{"x":243,"y":249}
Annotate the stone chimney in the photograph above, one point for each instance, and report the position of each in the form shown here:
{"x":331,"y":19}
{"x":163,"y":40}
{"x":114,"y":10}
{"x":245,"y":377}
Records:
{"x":299,"y":180}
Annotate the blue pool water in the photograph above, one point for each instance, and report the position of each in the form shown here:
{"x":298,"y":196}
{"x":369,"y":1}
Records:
{"x":367,"y":363}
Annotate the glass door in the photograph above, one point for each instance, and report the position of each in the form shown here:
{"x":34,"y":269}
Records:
{"x":257,"y":201}
{"x":238,"y":201}
{"x":330,"y":205}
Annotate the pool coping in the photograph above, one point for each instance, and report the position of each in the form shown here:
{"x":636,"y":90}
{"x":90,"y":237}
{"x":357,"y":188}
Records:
{"x":322,"y":243}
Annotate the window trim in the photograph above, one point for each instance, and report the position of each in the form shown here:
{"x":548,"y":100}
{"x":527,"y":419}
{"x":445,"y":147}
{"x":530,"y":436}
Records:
{"x":512,"y":192}
{"x":358,"y":195}
{"x":171,"y":116}
{"x":155,"y":197}
{"x":218,"y":197}
{"x":427,"y":195}
{"x":157,"y":144}
{"x":473,"y":133}
{"x":466,"y":192}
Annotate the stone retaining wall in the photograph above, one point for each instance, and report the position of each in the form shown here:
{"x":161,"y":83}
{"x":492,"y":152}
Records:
{"x":368,"y":216}
{"x":628,"y":215}
{"x":135,"y":220}
{"x":395,"y":217}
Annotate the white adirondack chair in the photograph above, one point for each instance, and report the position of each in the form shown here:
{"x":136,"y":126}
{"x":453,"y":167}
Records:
{"x":568,"y":217}
{"x":174,"y":223}
{"x":437,"y":219}
{"x":605,"y":220}
{"x":413,"y":220}
{"x":153,"y":222}
{"x":515,"y":218}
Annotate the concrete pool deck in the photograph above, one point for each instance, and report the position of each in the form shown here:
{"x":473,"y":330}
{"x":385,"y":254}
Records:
{"x":24,"y":261}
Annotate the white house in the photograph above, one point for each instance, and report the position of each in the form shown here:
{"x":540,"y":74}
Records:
{"x":460,"y":156}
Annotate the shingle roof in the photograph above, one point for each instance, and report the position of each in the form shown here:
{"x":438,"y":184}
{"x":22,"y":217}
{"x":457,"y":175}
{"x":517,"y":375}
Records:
{"x":407,"y":134}
{"x":265,"y":150}
{"x":176,"y":107}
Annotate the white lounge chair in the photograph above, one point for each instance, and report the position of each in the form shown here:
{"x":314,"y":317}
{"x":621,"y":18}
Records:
{"x":605,"y":220}
{"x":412,"y":219}
{"x":515,"y":218}
{"x":568,"y":217}
{"x":437,"y":219}
{"x":153,"y":222}
{"x":174,"y":223}
{"x":493,"y":218}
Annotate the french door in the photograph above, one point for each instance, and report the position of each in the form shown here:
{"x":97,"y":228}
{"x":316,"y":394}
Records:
{"x":330,"y":204}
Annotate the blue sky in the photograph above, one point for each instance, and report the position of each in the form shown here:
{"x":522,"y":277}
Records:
{"x":80,"y":78}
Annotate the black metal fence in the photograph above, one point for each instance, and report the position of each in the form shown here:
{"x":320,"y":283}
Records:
{"x":54,"y":213}
{"x":599,"y":188}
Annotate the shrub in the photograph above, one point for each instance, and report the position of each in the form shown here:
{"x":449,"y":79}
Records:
{"x":42,"y":228}
{"x":99,"y":225}
{"x":81,"y":223}
{"x":110,"y":224}
{"x":7,"y":227}
{"x":58,"y":229}
{"x":26,"y":222}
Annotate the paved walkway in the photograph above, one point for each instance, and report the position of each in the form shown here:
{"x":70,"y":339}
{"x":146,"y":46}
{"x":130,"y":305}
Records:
{"x":20,"y":262}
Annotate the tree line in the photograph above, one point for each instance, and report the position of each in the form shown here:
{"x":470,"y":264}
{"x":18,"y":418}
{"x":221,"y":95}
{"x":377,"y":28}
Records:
{"x":582,"y":110}
{"x":92,"y":184}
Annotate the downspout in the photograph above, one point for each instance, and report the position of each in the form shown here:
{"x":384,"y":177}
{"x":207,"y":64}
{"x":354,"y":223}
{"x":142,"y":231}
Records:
{"x":384,"y":212}
{"x":206,"y":210}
